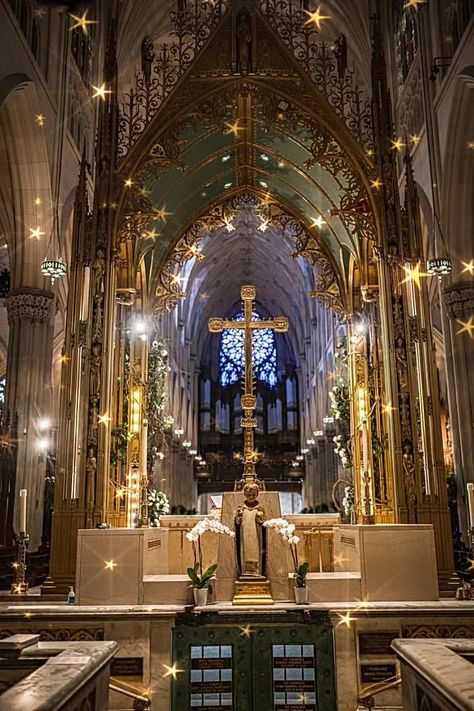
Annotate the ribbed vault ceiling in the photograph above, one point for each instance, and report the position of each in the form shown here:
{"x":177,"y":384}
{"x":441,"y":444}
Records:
{"x":247,"y":256}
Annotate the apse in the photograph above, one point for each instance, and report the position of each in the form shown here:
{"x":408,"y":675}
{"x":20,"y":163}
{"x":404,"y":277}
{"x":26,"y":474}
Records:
{"x":246,"y":254}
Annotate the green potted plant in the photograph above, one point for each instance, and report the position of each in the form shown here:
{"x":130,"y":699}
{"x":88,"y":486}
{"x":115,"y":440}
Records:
{"x":201,"y":582}
{"x":299,"y":576}
{"x":200,"y":579}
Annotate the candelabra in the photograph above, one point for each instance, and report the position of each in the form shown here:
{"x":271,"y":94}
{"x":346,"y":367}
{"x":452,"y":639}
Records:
{"x":20,"y":586}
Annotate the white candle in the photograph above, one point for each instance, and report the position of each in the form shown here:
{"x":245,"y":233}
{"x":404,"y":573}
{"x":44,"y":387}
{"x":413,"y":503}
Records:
{"x":470,"y":502}
{"x":23,"y":493}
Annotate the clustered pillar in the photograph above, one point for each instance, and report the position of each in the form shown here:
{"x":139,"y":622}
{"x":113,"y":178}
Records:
{"x":28,"y":397}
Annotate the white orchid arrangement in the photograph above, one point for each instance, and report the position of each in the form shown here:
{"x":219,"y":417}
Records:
{"x":158,"y":505}
{"x":199,"y":578}
{"x":286,"y":530}
{"x":348,"y":502}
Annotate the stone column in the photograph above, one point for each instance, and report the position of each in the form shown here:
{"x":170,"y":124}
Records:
{"x":30,"y":352}
{"x":459,"y":304}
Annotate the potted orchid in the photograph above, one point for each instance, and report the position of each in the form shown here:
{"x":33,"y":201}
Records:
{"x":200,"y":578}
{"x":286,"y":530}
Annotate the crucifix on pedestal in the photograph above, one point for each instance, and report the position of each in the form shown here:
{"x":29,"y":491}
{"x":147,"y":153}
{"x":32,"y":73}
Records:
{"x":252,"y":586}
{"x":249,"y":401}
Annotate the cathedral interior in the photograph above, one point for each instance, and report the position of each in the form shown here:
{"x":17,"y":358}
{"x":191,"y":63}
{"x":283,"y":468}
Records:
{"x":236,"y":354}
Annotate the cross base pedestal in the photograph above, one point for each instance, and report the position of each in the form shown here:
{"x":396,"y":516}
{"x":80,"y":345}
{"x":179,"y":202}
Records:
{"x":252,"y":592}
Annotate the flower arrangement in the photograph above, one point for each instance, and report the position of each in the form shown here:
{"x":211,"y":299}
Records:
{"x":199,"y":578}
{"x":159,"y":424}
{"x":340,"y":409}
{"x":286,"y":530}
{"x":158,"y":505}
{"x":348,"y":502}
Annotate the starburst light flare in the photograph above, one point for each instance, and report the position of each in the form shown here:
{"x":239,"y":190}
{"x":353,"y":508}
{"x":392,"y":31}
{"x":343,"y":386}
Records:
{"x":414,"y":274}
{"x":467,"y":326}
{"x":468,"y":267}
{"x":100,"y":92}
{"x":345,"y":619}
{"x":36,"y":233}
{"x":316,"y":17}
{"x":233,"y":128}
{"x":172,"y":671}
{"x":81,"y":22}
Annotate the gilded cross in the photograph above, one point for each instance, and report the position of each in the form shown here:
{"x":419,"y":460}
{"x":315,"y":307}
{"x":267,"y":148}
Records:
{"x":249,"y":401}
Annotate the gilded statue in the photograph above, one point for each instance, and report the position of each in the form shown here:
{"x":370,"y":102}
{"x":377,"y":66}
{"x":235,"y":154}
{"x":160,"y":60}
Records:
{"x":249,"y":519}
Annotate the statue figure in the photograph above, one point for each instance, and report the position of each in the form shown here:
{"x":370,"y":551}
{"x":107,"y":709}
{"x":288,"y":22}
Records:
{"x":340,"y":52}
{"x":99,"y":270}
{"x":409,"y":475}
{"x":244,"y":43}
{"x":249,"y":518}
{"x":95,"y":377}
{"x":148,"y":57}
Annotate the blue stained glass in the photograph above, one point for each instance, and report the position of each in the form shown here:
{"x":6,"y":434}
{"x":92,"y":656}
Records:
{"x":231,"y":356}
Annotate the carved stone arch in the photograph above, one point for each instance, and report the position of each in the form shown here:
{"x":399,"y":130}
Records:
{"x":153,"y":134}
{"x":24,"y":142}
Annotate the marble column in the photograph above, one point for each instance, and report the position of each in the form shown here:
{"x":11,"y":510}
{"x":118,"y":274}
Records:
{"x":459,"y":303}
{"x":29,"y":362}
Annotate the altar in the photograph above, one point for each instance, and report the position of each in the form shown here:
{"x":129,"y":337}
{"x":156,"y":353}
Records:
{"x":148,"y":565}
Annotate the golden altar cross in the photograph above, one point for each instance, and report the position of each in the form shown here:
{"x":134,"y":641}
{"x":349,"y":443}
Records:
{"x":249,"y":401}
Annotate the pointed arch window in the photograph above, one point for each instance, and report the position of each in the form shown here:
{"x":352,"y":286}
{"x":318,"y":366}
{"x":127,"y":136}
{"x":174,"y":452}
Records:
{"x":231,"y":354}
{"x":405,"y":38}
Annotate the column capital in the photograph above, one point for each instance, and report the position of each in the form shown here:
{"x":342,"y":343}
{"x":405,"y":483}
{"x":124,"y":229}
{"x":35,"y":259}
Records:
{"x":30,"y":303}
{"x":459,"y":299}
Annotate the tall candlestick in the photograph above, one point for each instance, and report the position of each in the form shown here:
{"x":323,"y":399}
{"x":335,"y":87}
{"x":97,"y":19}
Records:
{"x":23,"y":494}
{"x":470,"y":502}
{"x":365,"y":447}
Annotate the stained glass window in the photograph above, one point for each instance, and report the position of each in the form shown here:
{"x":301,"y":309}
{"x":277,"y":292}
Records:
{"x":231,"y":355}
{"x":405,"y":38}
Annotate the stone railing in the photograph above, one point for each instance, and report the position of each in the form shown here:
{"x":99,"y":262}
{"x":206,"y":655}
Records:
{"x":436,"y":674}
{"x":54,"y":675}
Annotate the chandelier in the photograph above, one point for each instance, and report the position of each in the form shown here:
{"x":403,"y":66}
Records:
{"x":54,"y":268}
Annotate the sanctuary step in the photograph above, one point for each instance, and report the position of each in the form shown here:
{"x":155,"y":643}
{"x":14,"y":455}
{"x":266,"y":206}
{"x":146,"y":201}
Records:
{"x":167,"y":590}
{"x":333,"y":587}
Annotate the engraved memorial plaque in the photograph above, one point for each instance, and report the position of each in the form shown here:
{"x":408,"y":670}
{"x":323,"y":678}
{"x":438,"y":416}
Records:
{"x":211,"y":687}
{"x":373,"y":673}
{"x":294,"y":677}
{"x":377,"y":642}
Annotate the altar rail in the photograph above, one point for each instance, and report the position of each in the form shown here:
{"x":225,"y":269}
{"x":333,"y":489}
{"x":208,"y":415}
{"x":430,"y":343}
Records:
{"x":436,"y":673}
{"x":57,"y":676}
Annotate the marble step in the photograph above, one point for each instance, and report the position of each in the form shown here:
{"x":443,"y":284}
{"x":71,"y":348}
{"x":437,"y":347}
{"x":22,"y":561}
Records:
{"x":322,"y":587}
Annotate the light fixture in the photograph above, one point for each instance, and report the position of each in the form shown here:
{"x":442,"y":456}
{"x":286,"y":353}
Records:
{"x":305,"y":450}
{"x":43,"y":444}
{"x":178,"y":432}
{"x":318,"y":433}
{"x":263,"y":184}
{"x":227,"y":186}
{"x":299,"y":457}
{"x":310,"y":441}
{"x":264,"y":157}
{"x":441,"y":266}
{"x":193,"y":452}
{"x":225,"y":158}
{"x":328,"y":420}
{"x":54,"y":268}
{"x":44,"y":424}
